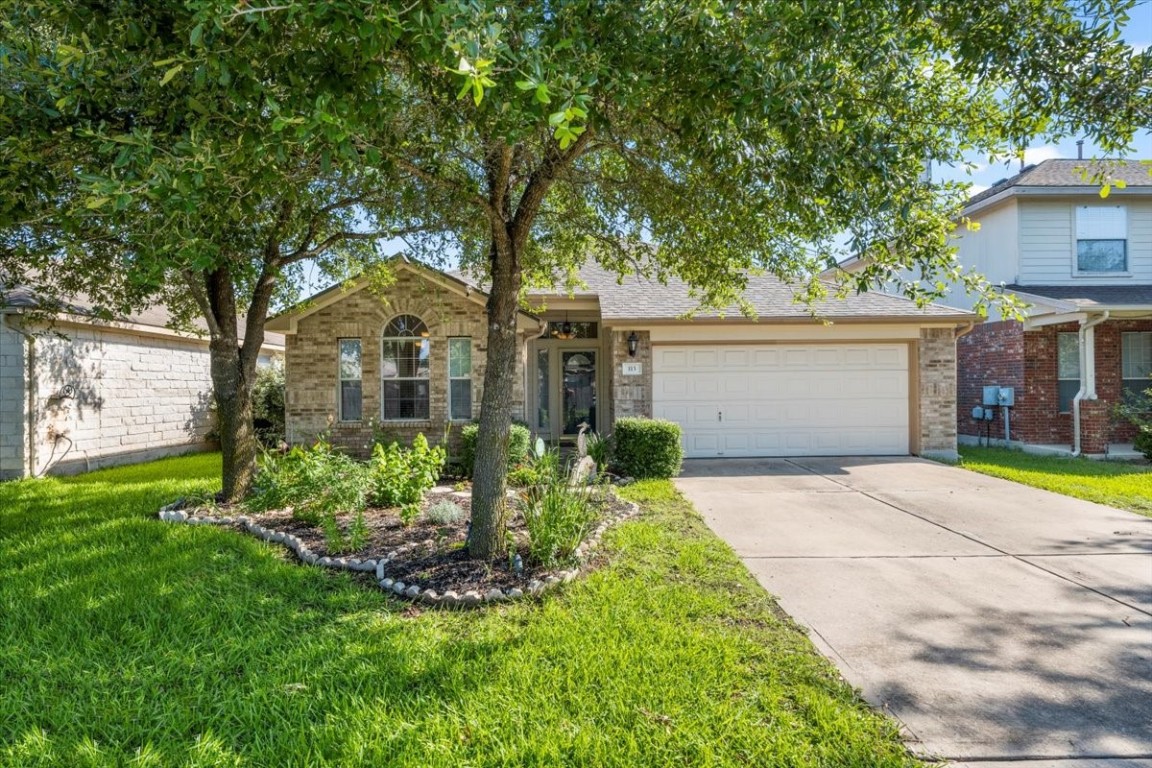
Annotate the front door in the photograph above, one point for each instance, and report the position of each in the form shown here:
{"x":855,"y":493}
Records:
{"x":578,"y":397}
{"x":566,"y":394}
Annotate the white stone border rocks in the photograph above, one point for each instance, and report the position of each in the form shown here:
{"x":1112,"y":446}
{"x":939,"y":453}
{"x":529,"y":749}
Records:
{"x":449,"y":599}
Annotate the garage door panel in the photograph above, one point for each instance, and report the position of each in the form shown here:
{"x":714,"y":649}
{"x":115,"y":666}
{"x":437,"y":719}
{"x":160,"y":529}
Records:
{"x":781,"y":400}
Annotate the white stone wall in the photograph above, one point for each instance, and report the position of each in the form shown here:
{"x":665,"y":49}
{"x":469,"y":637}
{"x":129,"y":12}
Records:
{"x":135,"y":397}
{"x":12,"y":403}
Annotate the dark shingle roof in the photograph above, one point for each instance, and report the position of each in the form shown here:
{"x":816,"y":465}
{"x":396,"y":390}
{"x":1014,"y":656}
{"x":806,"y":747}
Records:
{"x":1088,"y":296}
{"x":639,"y":298}
{"x":156,"y":316}
{"x":1071,"y":173}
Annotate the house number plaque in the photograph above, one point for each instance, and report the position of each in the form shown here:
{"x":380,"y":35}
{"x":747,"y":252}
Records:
{"x":633,"y":369}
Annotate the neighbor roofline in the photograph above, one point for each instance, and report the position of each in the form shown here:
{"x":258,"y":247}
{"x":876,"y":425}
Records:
{"x":1049,"y":190}
{"x":142,"y":329}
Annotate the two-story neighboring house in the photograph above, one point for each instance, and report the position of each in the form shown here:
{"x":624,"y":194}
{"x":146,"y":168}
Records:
{"x":1084,"y":264}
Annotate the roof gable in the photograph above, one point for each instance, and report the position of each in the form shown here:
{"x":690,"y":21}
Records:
{"x":287,"y":321}
{"x":1071,"y":173}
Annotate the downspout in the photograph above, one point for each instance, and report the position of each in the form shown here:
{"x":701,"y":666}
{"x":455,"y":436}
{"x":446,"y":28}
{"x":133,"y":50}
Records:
{"x":1087,"y":391}
{"x":29,"y":467}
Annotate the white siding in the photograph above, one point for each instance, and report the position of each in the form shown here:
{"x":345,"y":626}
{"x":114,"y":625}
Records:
{"x":1048,"y":242}
{"x":136,"y":397}
{"x":12,"y":411}
{"x":992,"y":250}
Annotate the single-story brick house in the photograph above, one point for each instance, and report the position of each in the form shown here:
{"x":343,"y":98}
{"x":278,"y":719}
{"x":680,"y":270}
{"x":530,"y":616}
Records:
{"x":82,"y":393}
{"x":879,"y":379}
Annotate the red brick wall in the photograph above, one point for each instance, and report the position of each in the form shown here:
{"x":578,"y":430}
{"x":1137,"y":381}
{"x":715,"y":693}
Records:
{"x":1002,"y":353}
{"x":991,"y":354}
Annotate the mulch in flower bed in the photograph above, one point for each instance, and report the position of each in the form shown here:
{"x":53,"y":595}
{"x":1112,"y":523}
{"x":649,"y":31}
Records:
{"x":428,"y":554}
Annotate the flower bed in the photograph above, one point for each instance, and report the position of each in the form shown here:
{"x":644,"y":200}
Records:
{"x":422,"y":560}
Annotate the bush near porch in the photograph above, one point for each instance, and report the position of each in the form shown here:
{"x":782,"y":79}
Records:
{"x":126,"y":641}
{"x":1117,"y":484}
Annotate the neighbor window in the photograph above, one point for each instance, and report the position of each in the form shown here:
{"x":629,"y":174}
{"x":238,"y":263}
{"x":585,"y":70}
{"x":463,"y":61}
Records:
{"x":404,"y":364}
{"x":1136,"y":362}
{"x":351,"y":380}
{"x":1101,"y":238}
{"x":1067,"y":368}
{"x":460,"y":378}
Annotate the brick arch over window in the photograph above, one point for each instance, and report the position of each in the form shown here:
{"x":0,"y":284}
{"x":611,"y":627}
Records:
{"x":405,"y":369}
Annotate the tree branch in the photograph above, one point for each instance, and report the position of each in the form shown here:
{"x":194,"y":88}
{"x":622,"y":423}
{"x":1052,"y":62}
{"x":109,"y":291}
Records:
{"x":450,"y":185}
{"x":541,"y":181}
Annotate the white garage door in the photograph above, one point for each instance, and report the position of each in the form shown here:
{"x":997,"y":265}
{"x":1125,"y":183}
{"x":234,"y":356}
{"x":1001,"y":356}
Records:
{"x":785,"y":400}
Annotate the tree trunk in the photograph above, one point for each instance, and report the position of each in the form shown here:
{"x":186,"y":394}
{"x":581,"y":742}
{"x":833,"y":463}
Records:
{"x":233,"y":392}
{"x":233,"y":373}
{"x":489,"y":486}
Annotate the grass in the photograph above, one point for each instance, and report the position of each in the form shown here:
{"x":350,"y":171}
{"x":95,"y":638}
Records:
{"x":1117,"y":484}
{"x":130,"y":642}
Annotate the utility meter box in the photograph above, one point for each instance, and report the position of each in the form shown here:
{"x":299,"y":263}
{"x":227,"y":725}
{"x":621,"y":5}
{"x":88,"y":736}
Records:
{"x":991,"y":396}
{"x":980,"y":413}
{"x":1007,"y":397}
{"x":999,"y":397}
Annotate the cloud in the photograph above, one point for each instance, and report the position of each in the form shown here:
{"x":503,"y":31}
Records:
{"x":975,"y":189}
{"x":1034,"y":155}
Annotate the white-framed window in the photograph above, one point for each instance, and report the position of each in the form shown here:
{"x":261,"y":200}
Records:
{"x":1067,"y":368}
{"x":404,"y":369}
{"x":460,"y":378}
{"x":1136,"y":362}
{"x":351,"y":379}
{"x":1101,"y":239}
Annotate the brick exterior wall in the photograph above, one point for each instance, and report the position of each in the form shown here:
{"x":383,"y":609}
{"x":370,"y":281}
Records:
{"x":992,"y":353}
{"x":631,"y":395}
{"x":13,"y":441}
{"x":937,"y":380}
{"x":311,"y":363}
{"x":136,"y":397}
{"x":1004,"y":353}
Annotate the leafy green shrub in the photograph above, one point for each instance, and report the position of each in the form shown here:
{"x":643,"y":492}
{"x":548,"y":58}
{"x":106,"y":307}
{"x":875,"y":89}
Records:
{"x":445,"y":513}
{"x":522,"y":476}
{"x":401,"y":476}
{"x":519,"y":439}
{"x":268,"y":404}
{"x":1136,"y":409}
{"x":648,"y":447}
{"x":558,"y":516}
{"x":599,"y":450}
{"x":316,"y":482}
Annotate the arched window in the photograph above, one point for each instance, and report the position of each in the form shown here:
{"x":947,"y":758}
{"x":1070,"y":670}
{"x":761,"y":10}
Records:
{"x":404,"y":382}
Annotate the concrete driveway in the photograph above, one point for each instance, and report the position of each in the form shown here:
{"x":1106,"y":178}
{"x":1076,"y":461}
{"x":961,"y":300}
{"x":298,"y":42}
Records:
{"x":996,"y":621}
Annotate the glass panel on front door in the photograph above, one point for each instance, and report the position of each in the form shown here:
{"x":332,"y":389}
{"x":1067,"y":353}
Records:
{"x":578,"y":400}
{"x":543,"y":390}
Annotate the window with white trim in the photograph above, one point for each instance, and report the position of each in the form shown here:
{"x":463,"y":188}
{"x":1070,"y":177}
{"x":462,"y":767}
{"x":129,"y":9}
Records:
{"x":404,"y":365}
{"x":1136,"y":362}
{"x":351,"y":380}
{"x":1101,"y":239}
{"x":1067,"y":368}
{"x":460,"y":378}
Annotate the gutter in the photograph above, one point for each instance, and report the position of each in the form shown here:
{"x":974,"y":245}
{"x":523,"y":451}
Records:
{"x":30,"y":393}
{"x":1087,"y":348}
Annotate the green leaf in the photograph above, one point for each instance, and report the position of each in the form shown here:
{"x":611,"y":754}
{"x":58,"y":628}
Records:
{"x":1105,"y":190}
{"x":197,"y":34}
{"x":557,"y":118}
{"x":525,"y":85}
{"x":542,"y":94}
{"x":171,"y":73}
{"x":93,"y":203}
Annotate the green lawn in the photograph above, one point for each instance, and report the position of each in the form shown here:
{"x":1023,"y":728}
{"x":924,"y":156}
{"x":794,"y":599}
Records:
{"x":130,"y":642}
{"x":1117,"y":484}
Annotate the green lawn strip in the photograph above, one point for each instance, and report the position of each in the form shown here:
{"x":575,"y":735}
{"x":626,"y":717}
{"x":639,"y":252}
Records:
{"x":127,"y":641}
{"x":1118,"y":484}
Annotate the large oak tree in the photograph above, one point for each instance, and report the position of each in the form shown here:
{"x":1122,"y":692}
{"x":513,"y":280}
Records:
{"x":708,"y":139}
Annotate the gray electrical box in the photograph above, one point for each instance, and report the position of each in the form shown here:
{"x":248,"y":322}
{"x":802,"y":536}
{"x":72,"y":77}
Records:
{"x":1007,"y":397}
{"x":980,"y":413}
{"x":999,"y":397}
{"x":991,"y":396}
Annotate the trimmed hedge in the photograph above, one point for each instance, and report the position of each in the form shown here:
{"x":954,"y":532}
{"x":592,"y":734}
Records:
{"x":519,"y":440}
{"x":647,"y":447}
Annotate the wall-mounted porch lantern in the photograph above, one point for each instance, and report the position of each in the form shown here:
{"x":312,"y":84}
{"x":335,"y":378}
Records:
{"x":633,"y":344}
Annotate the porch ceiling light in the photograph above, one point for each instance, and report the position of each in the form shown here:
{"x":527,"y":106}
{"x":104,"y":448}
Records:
{"x":565,"y":331}
{"x":633,"y":344}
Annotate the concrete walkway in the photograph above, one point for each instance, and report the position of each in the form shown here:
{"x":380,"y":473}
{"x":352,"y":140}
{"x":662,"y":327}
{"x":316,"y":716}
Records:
{"x":996,"y":621}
